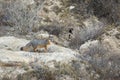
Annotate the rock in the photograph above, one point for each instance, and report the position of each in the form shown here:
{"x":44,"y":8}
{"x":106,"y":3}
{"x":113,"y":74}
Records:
{"x":112,"y":43}
{"x":85,"y":47}
{"x":12,"y":43}
{"x":41,"y":35}
{"x":10,"y":53}
{"x":71,"y":7}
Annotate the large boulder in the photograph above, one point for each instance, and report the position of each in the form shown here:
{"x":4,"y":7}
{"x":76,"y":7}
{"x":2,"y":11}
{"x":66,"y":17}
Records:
{"x":13,"y":62}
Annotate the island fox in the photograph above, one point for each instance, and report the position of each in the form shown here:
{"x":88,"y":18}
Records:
{"x":36,"y":44}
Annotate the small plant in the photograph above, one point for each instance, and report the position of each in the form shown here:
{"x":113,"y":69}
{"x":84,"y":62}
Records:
{"x":81,"y":35}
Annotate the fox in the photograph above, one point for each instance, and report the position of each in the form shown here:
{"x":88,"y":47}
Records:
{"x":36,"y":44}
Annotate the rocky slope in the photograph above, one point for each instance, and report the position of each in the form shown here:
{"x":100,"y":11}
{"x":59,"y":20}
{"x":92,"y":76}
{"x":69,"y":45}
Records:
{"x":86,"y":39}
{"x":94,"y":59}
{"x":13,"y":62}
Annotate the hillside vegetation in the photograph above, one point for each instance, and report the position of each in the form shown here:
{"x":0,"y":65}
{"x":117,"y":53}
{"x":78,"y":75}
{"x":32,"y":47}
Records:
{"x":85,"y":39}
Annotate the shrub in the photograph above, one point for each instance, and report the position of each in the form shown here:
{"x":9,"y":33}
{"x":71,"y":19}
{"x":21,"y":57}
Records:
{"x":23,"y":16}
{"x":103,"y":61}
{"x":54,"y":28}
{"x":106,"y":9}
{"x":91,"y":31}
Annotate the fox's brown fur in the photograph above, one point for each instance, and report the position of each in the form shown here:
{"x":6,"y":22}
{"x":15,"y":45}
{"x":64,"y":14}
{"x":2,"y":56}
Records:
{"x":36,"y":44}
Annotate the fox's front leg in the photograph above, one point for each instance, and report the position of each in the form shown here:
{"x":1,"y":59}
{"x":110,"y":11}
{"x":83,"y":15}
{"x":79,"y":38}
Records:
{"x":45,"y":48}
{"x":36,"y":49}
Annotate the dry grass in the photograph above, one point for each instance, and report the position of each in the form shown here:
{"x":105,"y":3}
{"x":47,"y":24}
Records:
{"x":84,"y":34}
{"x":103,"y":61}
{"x":23,"y":17}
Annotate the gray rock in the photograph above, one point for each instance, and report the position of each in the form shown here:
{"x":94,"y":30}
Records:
{"x":10,"y":53}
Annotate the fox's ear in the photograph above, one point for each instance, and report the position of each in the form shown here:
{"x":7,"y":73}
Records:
{"x":21,"y":48}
